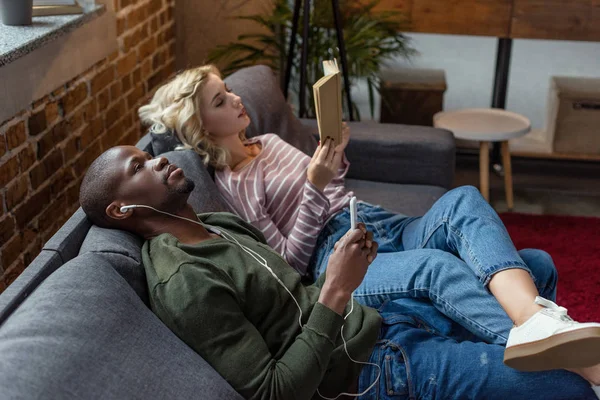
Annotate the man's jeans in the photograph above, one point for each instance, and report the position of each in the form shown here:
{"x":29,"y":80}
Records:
{"x":441,"y":262}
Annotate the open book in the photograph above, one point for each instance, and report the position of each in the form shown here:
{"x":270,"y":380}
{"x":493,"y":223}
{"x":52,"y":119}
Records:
{"x":328,"y":102}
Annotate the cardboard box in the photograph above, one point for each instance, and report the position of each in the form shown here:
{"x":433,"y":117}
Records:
{"x":574,"y":115}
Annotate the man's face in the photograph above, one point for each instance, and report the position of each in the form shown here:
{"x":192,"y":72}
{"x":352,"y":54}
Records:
{"x":149,"y":181}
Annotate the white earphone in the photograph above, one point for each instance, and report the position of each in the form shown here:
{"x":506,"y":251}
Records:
{"x":260,"y":259}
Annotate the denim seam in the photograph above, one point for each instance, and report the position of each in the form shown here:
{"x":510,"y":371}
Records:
{"x":494,"y":269}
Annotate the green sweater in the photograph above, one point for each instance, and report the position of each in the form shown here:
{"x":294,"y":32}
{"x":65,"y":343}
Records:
{"x":231,"y":310}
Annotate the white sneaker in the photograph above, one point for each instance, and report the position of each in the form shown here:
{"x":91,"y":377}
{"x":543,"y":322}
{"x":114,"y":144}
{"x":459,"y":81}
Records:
{"x":550,"y":339}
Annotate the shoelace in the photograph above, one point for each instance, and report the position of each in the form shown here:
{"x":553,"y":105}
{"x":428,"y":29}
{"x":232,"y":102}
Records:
{"x":557,"y":310}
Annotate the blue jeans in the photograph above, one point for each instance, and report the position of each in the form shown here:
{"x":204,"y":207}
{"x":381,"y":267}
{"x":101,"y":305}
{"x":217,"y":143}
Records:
{"x":443,"y":261}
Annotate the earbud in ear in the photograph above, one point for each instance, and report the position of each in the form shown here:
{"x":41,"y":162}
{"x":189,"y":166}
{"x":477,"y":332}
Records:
{"x":125,"y":208}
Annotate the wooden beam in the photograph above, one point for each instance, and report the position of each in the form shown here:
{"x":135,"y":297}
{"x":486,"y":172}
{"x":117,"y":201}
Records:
{"x":556,"y":19}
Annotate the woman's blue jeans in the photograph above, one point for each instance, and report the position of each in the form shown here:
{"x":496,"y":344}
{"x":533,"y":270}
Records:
{"x":429,"y":283}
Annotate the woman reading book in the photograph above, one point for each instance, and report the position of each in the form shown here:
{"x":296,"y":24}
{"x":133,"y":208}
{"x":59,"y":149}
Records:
{"x":301,"y":206}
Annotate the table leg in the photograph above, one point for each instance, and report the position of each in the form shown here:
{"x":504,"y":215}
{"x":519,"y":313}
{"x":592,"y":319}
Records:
{"x":484,"y":170}
{"x":508,"y":184}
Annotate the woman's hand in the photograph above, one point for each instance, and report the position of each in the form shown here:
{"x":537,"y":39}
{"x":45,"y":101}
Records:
{"x":323,"y":165}
{"x":345,"y":138}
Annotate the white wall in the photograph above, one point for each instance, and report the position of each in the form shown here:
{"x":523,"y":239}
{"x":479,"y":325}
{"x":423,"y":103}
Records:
{"x":469,"y":63}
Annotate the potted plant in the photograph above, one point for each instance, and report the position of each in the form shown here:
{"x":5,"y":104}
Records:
{"x":371,"y":39}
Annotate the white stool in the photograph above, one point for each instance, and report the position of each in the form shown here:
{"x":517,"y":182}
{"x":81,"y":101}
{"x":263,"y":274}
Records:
{"x":486,"y":125}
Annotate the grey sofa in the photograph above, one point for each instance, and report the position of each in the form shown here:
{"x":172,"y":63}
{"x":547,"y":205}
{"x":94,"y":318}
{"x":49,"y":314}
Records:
{"x":76,"y":323}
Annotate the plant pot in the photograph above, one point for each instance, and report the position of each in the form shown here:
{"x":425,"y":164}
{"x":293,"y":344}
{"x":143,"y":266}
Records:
{"x":16,"y":12}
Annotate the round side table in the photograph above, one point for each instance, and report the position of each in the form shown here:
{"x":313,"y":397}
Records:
{"x":486,"y":125}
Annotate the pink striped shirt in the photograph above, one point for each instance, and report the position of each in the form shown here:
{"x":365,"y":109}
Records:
{"x":273,"y":193}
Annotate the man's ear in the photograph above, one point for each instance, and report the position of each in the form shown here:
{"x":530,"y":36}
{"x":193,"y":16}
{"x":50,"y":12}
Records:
{"x":114,"y":211}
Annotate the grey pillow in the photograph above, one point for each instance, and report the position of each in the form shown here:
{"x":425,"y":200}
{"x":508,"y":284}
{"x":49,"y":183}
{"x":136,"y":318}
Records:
{"x":205,"y":197}
{"x":84,"y":334}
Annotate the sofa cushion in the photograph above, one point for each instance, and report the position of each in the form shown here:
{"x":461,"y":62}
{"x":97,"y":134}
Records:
{"x":84,"y":334}
{"x":205,"y":197}
{"x":122,"y":250}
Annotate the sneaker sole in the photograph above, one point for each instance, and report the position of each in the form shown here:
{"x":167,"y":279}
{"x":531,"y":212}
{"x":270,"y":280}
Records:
{"x":575,"y":349}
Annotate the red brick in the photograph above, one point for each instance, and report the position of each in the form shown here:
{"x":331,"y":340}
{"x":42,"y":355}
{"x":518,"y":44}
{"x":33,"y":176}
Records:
{"x":112,"y":136}
{"x":9,"y":170}
{"x":46,"y":168}
{"x":126,"y":83}
{"x":37,"y":123}
{"x":74,"y":98}
{"x":86,"y":158}
{"x":12,"y":250}
{"x":157,"y":79}
{"x":127,"y":64}
{"x":136,"y":17}
{"x":114,"y":113}
{"x":73,"y":193}
{"x":103,"y":100}
{"x":146,"y":69}
{"x":16,"y":192}
{"x":158,"y":60}
{"x":48,"y":218}
{"x":136,"y":76}
{"x":71,"y":148}
{"x":53,"y":111}
{"x":7,"y":229}
{"x":13,"y":272}
{"x":121,"y":25}
{"x":2,"y":145}
{"x":103,"y":79}
{"x":97,"y":126}
{"x":52,"y":138}
{"x":31,"y":207}
{"x":154,"y":24}
{"x":1,"y":204}
{"x":61,"y":180}
{"x":135,"y":96}
{"x":26,"y":158}
{"x":115,"y":90}
{"x":15,"y":135}
{"x":154,"y":6}
{"x":77,"y":120}
{"x":147,"y":48}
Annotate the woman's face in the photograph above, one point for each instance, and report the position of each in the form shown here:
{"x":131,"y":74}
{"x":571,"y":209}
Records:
{"x":221,"y":111}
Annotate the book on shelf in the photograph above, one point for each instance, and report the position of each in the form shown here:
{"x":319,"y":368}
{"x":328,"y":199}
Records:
{"x":55,"y":7}
{"x":327,"y":93}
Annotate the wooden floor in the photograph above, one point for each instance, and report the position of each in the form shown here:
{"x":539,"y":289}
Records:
{"x":558,"y":187}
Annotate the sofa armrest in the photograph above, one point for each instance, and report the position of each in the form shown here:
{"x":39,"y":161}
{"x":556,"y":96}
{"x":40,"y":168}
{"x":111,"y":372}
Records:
{"x":398,"y":153}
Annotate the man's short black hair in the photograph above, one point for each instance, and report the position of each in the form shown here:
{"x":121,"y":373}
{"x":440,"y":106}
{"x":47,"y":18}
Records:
{"x":98,"y":188}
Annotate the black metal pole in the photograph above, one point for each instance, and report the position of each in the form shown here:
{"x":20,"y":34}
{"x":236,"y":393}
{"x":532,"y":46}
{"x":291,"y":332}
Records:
{"x":290,"y":58}
{"x":304,"y":58}
{"x":503,"y":54}
{"x":337,"y":18}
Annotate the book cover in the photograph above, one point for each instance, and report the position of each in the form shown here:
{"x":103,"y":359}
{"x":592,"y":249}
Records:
{"x":327,"y":93}
{"x":39,"y":11}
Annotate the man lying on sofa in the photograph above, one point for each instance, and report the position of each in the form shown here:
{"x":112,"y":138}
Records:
{"x":224,"y":292}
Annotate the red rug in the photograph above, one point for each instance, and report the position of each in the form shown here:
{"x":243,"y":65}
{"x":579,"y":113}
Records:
{"x":574,"y":244}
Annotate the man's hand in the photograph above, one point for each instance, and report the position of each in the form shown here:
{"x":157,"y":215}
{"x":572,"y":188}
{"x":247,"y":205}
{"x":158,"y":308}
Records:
{"x":347,"y":266}
{"x":323,"y":165}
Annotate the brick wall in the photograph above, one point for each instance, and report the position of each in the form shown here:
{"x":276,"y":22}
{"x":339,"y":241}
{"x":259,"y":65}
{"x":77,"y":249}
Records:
{"x":46,"y":148}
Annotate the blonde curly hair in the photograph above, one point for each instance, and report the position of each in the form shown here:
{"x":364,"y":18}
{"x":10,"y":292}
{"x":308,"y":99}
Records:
{"x":175,"y":107}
